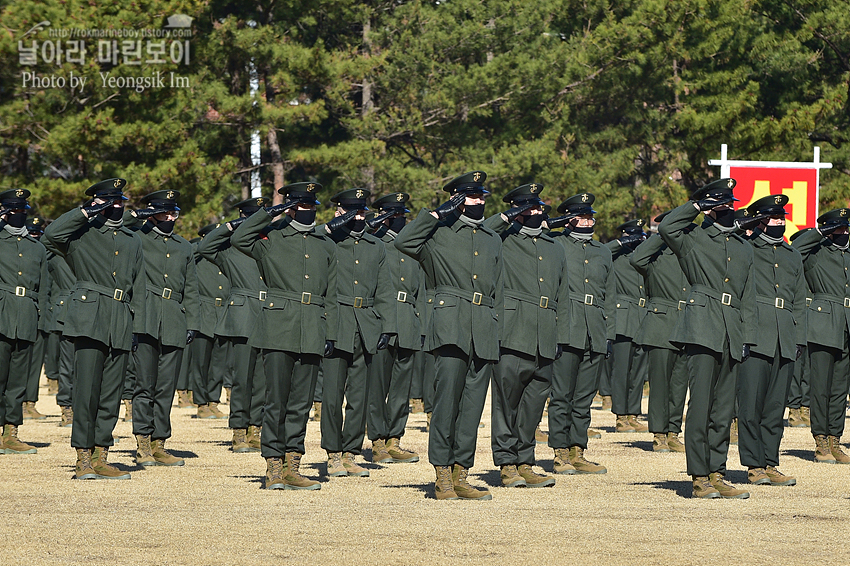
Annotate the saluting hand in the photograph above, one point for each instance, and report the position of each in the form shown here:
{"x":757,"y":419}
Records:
{"x":448,"y":208}
{"x":512,"y":213}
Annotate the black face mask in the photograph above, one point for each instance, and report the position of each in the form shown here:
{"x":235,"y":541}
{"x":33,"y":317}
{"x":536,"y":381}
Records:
{"x":16,"y":219}
{"x":533,"y":221}
{"x":583,"y":229}
{"x":114,"y":212}
{"x":305,"y":217}
{"x":165,"y":226}
{"x":725,"y":217}
{"x":397,"y":223}
{"x":840,"y":240}
{"x":358,"y":225}
{"x":775,"y":231}
{"x":474,"y":211}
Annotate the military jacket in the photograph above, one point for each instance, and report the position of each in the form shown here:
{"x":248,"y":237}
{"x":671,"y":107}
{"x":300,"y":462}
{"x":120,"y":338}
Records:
{"x":363,"y":278}
{"x":409,"y":281}
{"x":62,"y":281}
{"x":827,"y":271}
{"x":781,"y":297}
{"x":24,"y":286}
{"x":300,"y":309}
{"x":721,"y":304}
{"x":666,"y":289}
{"x":630,"y":297}
{"x":465,"y":266}
{"x":243,"y":303}
{"x":535,"y":291}
{"x":172,"y":301}
{"x":107,"y":303}
{"x":213,"y":288}
{"x":592,"y":290}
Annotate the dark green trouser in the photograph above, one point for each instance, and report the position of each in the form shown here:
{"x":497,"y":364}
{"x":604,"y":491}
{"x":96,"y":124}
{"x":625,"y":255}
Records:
{"x":626,"y":381}
{"x":229,"y":360}
{"x":320,"y":380}
{"x":206,"y":369}
{"x":606,"y":368}
{"x":34,"y":369}
{"x":156,"y":380}
{"x":249,"y":386}
{"x":290,"y":381}
{"x":575,"y":379}
{"x":763,"y":384}
{"x":14,"y":367}
{"x":668,"y":386}
{"x":346,"y":375}
{"x":429,"y":376}
{"x":460,"y":389}
{"x":184,"y":378}
{"x":129,"y":382}
{"x":416,"y":381}
{"x":65,"y":396}
{"x":711,"y":379}
{"x":798,"y":393}
{"x":219,"y":368}
{"x":521,"y":385}
{"x":389,"y":392}
{"x":98,"y":377}
{"x":51,"y":355}
{"x":829,"y":369}
{"x":640,"y":365}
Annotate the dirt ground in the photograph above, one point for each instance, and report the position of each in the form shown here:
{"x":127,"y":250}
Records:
{"x":213,"y":511}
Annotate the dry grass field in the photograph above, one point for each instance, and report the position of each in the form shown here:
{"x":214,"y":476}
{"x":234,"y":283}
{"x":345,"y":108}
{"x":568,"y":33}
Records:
{"x":212,"y":511}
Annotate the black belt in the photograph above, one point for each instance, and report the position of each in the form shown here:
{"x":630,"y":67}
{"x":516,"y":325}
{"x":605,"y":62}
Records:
{"x":20,"y":291}
{"x":250,"y":293}
{"x":540,"y":301}
{"x":725,"y":299}
{"x":777,"y":302}
{"x":640,"y":302}
{"x":844,"y":301}
{"x":165,"y":293}
{"x":218,"y":301}
{"x":589,"y":300}
{"x":117,"y":294}
{"x":303,"y":298}
{"x":473,"y":297}
{"x":678,"y":305}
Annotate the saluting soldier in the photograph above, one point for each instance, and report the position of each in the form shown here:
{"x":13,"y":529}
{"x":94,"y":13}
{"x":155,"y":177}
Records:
{"x":826,"y":262}
{"x":24,"y":288}
{"x":366,"y":323}
{"x":237,"y":323}
{"x":798,"y":393}
{"x":395,"y":367}
{"x":35,"y":228}
{"x":536,"y":303}
{"x":630,"y":301}
{"x":716,"y":328}
{"x":171,"y":323}
{"x":588,"y":338}
{"x":765,"y":377}
{"x":133,"y":224}
{"x":297,"y":324}
{"x":105,"y":308}
{"x":666,"y":289}
{"x":462,"y":260}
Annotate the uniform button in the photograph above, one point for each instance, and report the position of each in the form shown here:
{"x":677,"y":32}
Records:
{"x":777,"y":265}
{"x":541,"y":279}
{"x":540,"y":257}
{"x":476,"y":253}
{"x":777,"y":285}
{"x":115,"y":232}
{"x":818,"y":308}
{"x":585,"y":261}
{"x":692,"y":300}
{"x":727,"y":238}
{"x":475,"y":277}
{"x":684,"y":289}
{"x":726,"y":280}
{"x":655,"y":309}
{"x":402,"y":260}
{"x":307,"y":256}
{"x":20,"y":273}
{"x":306,"y":277}
{"x":165,"y":238}
{"x":231,"y":302}
{"x":166,"y":275}
{"x":355,"y":282}
{"x":728,"y":259}
{"x":19,"y":239}
{"x":113,"y":274}
{"x":219,"y":286}
{"x":641,"y":286}
{"x":83,"y":297}
{"x":534,"y":239}
{"x":474,"y":231}
{"x":402,"y":278}
{"x":584,"y":245}
{"x":586,"y":281}
{"x":271,"y":304}
{"x":61,"y":302}
{"x":442,"y":302}
{"x":357,"y":261}
{"x":356,"y":242}
{"x":305,"y":237}
{"x":219,"y":274}
{"x":116,"y":252}
{"x":22,"y":255}
{"x":166,"y":255}
{"x":618,"y":305}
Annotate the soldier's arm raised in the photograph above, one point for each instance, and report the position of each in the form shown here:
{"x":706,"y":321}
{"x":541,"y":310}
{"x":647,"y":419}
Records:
{"x":673,"y":229}
{"x":610,"y":304}
{"x":645,"y":253}
{"x":214,"y":242}
{"x":805,"y":243}
{"x":749,"y":308}
{"x":43,"y":292}
{"x":191,"y":296}
{"x":496,"y":223}
{"x":414,"y":238}
{"x":137,"y":301}
{"x":563,"y":311}
{"x":800,"y":318}
{"x":385,"y":295}
{"x":331,"y":304}
{"x":60,"y":232}
{"x":246,"y":238}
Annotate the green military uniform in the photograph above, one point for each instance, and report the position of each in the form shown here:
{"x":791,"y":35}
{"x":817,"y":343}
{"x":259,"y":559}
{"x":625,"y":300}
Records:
{"x":105,"y":308}
{"x":826,"y":261}
{"x":24,"y":288}
{"x":171,"y":319}
{"x":765,"y":377}
{"x":667,"y":288}
{"x":133,"y":224}
{"x":798,"y":393}
{"x":718,"y":320}
{"x":299,"y":315}
{"x":536,"y":302}
{"x":35,"y":228}
{"x":62,"y":282}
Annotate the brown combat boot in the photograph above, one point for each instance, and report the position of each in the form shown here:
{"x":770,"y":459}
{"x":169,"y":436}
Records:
{"x":510,"y":477}
{"x":217,"y":414}
{"x":606,"y":403}
{"x":778,"y":478}
{"x":162,"y":456}
{"x":352,"y":468}
{"x":204,"y":412}
{"x":582,"y":465}
{"x":532,"y":478}
{"x":806,"y":413}
{"x":183,"y":400}
{"x":292,"y":475}
{"x":52,"y":386}
{"x":128,"y":410}
{"x":593,"y":433}
{"x":674,"y":443}
{"x":144,"y":454}
{"x":67,"y":419}
{"x":637,"y":425}
{"x":317,"y":411}
{"x":541,"y":437}
{"x":703,"y":488}
{"x":335,"y":467}
{"x":83,"y":469}
{"x":726,"y":489}
{"x":659,"y":442}
{"x":443,"y":488}
{"x":379,"y":452}
{"x":254,"y":437}
{"x":623,"y":424}
{"x":757,"y":476}
{"x":462,"y":487}
{"x":562,"y":462}
{"x":823,"y":452}
{"x":417,"y":406}
{"x":837,"y":452}
{"x":103,"y":469}
{"x":399,"y":454}
{"x":240,"y":441}
{"x":795,"y":418}
{"x":11,"y":443}
{"x":274,"y":474}
{"x":733,"y":432}
{"x":30,"y":412}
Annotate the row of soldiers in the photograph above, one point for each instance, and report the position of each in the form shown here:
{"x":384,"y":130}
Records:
{"x":508,"y":300}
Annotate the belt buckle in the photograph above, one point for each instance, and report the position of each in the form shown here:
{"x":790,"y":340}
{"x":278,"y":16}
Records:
{"x":219,"y":301}
{"x":544,"y":302}
{"x":476,"y":298}
{"x":401,"y":297}
{"x":846,"y":302}
{"x":726,"y":299}
{"x":808,"y":301}
{"x":641,"y":302}
{"x":20,"y":291}
{"x":358,"y":302}
{"x":118,"y":295}
{"x":166,"y":293}
{"x":263,"y":295}
{"x":779,"y":303}
{"x":306,"y":298}
{"x":681,"y":305}
{"x":588,"y":299}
